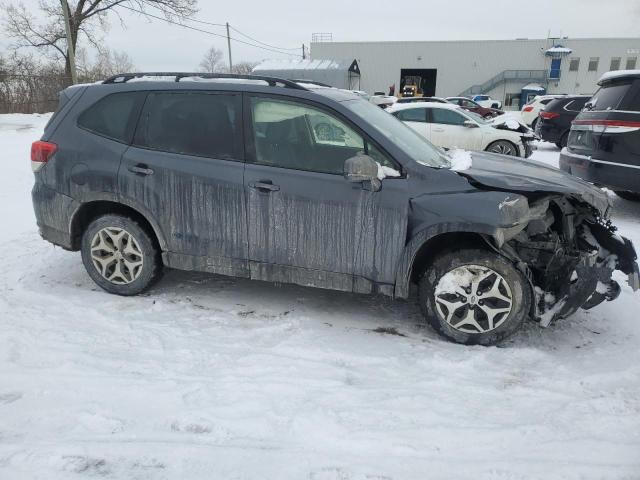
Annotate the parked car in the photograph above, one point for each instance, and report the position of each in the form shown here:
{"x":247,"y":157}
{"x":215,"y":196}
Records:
{"x":382,"y":100}
{"x":487,"y":101}
{"x":530,"y":111}
{"x":239,"y":178}
{"x":421,"y":99}
{"x":554,"y":122}
{"x":604,"y":142}
{"x":474,"y":107}
{"x":450,"y":126}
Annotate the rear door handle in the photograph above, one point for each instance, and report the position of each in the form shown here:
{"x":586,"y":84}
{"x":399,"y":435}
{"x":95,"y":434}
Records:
{"x":140,"y":169}
{"x":264,"y":186}
{"x":439,"y":130}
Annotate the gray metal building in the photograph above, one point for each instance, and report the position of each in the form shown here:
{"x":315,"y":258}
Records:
{"x":499,"y":68}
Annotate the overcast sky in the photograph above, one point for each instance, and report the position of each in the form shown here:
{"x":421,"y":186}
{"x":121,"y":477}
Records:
{"x":156,"y":45}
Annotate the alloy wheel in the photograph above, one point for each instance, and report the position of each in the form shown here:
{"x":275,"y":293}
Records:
{"x":116,"y":255}
{"x":503,"y":148}
{"x":473,"y":299}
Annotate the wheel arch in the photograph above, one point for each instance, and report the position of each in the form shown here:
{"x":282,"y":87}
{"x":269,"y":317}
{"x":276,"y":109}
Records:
{"x":90,"y":210}
{"x":424,"y":247}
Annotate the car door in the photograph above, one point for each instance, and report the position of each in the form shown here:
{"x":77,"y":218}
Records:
{"x":416,"y":119}
{"x":307,"y":224}
{"x":185,"y":170}
{"x":448,"y":130}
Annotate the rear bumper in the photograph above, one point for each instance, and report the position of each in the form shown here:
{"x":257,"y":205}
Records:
{"x":53,"y":212}
{"x":616,"y":176}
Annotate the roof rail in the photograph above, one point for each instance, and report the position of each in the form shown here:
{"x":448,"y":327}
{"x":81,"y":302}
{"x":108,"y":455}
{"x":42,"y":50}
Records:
{"x":271,"y":81}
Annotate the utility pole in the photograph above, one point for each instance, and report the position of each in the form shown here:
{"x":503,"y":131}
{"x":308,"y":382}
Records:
{"x":304,"y":56}
{"x":70,"y":53}
{"x":229,"y":47}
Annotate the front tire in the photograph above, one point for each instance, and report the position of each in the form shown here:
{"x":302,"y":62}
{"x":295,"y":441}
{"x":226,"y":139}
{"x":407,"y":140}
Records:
{"x":503,"y":147}
{"x":474,"y":297}
{"x":119,"y":255}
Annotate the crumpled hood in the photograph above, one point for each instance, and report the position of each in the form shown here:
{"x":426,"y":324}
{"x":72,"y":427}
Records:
{"x":521,"y":175}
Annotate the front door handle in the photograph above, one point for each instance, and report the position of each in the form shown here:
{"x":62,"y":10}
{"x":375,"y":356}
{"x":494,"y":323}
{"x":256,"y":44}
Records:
{"x":439,"y":130}
{"x":140,"y":169}
{"x":264,"y":186}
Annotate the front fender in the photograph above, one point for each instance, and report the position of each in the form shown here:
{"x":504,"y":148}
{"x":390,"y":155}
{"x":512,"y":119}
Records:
{"x":499,"y":215}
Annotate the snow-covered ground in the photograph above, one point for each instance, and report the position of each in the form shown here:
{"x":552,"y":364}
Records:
{"x":208,"y":377}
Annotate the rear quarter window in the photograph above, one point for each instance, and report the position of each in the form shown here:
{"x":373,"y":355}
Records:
{"x":113,"y":116}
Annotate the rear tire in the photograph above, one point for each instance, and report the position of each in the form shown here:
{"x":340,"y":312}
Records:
{"x":563,"y":140}
{"x":631,"y":196}
{"x":119,"y":255}
{"x":474,"y":297}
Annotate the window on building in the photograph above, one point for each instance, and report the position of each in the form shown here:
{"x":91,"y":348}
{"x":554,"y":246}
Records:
{"x":631,"y":63}
{"x":113,"y":116}
{"x":198,"y":124}
{"x":593,"y":64}
{"x":615,"y":63}
{"x":574,"y":64}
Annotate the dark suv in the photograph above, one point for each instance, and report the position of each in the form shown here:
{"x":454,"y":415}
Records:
{"x":604,"y":144}
{"x":554,"y":122}
{"x":261,"y":178}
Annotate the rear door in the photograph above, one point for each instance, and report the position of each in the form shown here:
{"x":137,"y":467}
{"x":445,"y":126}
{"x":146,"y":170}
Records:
{"x":185,"y":169}
{"x":307,"y":223}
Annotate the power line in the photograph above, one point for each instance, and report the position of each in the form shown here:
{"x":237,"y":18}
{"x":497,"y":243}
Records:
{"x":258,"y":41}
{"x":190,"y":27}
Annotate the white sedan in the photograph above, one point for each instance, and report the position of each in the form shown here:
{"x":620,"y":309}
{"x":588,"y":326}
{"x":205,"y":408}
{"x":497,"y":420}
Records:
{"x":450,"y":126}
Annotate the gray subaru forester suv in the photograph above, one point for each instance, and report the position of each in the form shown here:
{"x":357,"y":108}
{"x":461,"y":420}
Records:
{"x":267,"y":179}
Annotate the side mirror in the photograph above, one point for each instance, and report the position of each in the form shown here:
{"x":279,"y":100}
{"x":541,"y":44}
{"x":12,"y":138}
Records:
{"x":362,"y":169}
{"x":470,"y":124}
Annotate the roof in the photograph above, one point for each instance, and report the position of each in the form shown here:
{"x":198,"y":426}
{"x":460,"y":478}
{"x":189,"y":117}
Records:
{"x":405,"y":106}
{"x":534,"y":86}
{"x":618,"y":74}
{"x":308,"y":64}
{"x":558,"y":49}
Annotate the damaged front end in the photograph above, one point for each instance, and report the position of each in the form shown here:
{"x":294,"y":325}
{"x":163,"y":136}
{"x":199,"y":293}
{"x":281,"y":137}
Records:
{"x":568,"y":250}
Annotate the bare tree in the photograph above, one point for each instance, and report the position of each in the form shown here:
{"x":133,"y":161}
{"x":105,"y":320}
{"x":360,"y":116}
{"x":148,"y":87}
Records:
{"x":243,"y":68}
{"x":107,"y":63}
{"x":212,"y":61}
{"x":87,"y":18}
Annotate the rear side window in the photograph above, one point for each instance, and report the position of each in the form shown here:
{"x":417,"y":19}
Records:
{"x":609,"y":96}
{"x":546,"y":101}
{"x":576,"y":105}
{"x":191,"y":123}
{"x":113,"y":116}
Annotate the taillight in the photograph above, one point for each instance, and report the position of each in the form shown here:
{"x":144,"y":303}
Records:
{"x":527,"y":108}
{"x":41,"y":152}
{"x":549,"y":115}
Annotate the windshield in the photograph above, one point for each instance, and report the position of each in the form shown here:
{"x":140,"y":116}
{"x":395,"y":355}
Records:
{"x":476,"y":117}
{"x":414,"y":145}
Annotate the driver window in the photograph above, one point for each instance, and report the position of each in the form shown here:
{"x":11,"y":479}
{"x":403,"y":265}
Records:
{"x":297,"y":136}
{"x":447,"y":117}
